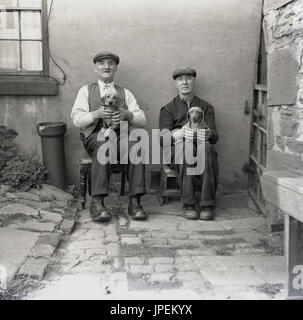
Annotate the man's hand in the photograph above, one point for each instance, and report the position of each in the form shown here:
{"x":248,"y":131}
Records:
{"x":204,"y":134}
{"x":121,"y":115}
{"x":200,"y":134}
{"x":103,"y":113}
{"x":189,"y":134}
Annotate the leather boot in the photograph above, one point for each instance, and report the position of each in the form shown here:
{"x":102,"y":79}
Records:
{"x":190,"y":212}
{"x":98,"y":212}
{"x":207,"y":213}
{"x":135,"y":210}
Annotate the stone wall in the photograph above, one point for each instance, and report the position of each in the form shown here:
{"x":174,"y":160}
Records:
{"x":283,"y":30}
{"x":283,"y":27}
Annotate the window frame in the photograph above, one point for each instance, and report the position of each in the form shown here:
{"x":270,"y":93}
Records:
{"x":44,"y":40}
{"x":31,"y":83}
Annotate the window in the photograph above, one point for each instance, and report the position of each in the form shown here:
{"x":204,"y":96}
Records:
{"x":24,"y":45}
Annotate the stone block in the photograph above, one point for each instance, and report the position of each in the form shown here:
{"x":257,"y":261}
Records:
{"x":112,"y":238}
{"x":51,"y":216}
{"x":42,"y":250}
{"x":43,"y":195}
{"x":14,"y":248}
{"x":134,"y":260}
{"x":27,"y":196}
{"x":86,"y":244}
{"x":93,"y":235}
{"x":34,"y":268}
{"x":248,"y":223}
{"x":161,"y":260}
{"x":128,"y":241}
{"x":165,"y":268}
{"x":35,"y":226}
{"x":113,"y":249}
{"x":35,"y":204}
{"x":162,"y":277}
{"x":57,"y":193}
{"x":67,"y":226}
{"x":59,"y":204}
{"x":282,"y":77}
{"x":145,"y":269}
{"x":52,"y":239}
{"x":18,"y":209}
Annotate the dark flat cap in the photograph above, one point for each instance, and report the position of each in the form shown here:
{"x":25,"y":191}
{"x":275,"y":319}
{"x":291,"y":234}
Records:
{"x":106,"y":55}
{"x":184,"y":71}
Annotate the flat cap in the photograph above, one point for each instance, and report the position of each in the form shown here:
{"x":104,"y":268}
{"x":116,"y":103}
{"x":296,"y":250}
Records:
{"x":106,"y":55}
{"x":184,"y":71}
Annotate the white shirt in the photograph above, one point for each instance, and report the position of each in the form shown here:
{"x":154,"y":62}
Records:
{"x":82,"y":117}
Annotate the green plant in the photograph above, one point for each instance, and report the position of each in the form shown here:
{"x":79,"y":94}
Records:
{"x":17,"y":170}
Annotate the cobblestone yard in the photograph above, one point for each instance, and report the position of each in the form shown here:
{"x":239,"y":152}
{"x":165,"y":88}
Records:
{"x":168,"y":257}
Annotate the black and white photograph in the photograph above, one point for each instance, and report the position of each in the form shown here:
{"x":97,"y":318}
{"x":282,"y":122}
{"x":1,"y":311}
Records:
{"x":151,"y":151}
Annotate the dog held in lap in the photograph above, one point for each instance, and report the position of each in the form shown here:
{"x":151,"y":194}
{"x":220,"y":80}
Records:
{"x":112,"y":102}
{"x":195,"y":116}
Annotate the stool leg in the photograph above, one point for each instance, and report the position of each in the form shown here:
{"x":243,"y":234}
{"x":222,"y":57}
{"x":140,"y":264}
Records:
{"x":89,"y":180}
{"x":122,"y":183}
{"x":161,"y":193}
{"x":83,"y":184}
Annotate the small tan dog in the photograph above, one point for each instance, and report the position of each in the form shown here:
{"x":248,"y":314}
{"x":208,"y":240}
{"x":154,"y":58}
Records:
{"x":195,"y":116}
{"x":112,"y":102}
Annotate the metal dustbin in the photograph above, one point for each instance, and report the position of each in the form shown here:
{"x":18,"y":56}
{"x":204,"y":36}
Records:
{"x":52,"y":140}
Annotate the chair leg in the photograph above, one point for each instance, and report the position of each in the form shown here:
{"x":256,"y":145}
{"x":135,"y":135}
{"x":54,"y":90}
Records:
{"x":161,"y":191}
{"x":89,"y":180}
{"x":165,"y":188}
{"x":123,"y":183}
{"x":83,"y":184}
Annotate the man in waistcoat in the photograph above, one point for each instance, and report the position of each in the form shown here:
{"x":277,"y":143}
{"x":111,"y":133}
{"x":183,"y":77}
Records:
{"x":88,"y":114}
{"x":174,"y":117}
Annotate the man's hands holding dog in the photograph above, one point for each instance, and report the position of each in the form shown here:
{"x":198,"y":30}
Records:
{"x":192,"y":135}
{"x":121,"y":115}
{"x":116,"y":116}
{"x":103,"y":113}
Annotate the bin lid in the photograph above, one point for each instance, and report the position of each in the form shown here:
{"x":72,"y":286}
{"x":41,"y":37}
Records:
{"x":51,"y":129}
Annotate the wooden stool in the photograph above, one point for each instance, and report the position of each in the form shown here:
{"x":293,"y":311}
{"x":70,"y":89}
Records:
{"x":167,"y":174}
{"x":85,"y":176}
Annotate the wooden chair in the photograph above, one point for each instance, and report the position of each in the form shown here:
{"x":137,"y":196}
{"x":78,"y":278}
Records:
{"x":85,"y":176}
{"x":168,"y":184}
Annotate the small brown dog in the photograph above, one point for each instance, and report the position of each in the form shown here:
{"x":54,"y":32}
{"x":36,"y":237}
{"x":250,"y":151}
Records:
{"x":195,"y":116}
{"x":112,"y":102}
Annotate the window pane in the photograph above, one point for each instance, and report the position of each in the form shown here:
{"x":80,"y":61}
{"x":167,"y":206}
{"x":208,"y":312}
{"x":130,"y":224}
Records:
{"x":32,"y":55}
{"x":30,"y":3}
{"x":9,"y":25}
{"x":9,"y":55}
{"x":30,"y":25}
{"x":9,"y":3}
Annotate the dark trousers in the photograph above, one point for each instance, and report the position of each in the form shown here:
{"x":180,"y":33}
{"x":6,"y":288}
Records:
{"x":206,"y":183}
{"x":100,"y":173}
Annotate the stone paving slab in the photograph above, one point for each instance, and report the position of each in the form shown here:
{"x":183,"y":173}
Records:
{"x":247,"y":223}
{"x":18,"y":209}
{"x":35,"y":226}
{"x":15,"y":246}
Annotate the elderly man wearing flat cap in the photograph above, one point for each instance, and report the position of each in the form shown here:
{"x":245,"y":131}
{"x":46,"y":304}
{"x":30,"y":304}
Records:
{"x":88,"y":115}
{"x":174,"y":117}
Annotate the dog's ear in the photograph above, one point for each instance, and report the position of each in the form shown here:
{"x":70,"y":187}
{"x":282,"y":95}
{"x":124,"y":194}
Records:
{"x":188,"y":119}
